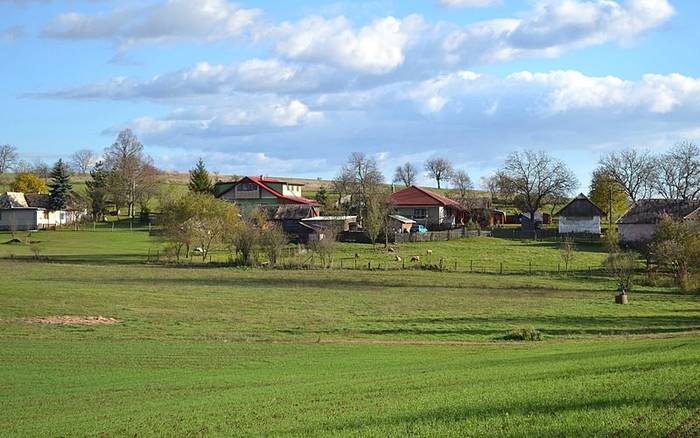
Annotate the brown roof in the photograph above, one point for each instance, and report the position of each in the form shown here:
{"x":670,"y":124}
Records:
{"x":38,"y":200}
{"x":581,"y":206}
{"x":414,"y":195}
{"x":649,"y":211}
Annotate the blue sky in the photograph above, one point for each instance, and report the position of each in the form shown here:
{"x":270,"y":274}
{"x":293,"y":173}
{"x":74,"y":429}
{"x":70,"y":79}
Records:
{"x":291,"y":88}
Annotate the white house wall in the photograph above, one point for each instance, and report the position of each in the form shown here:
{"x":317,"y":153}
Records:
{"x":589,"y":225}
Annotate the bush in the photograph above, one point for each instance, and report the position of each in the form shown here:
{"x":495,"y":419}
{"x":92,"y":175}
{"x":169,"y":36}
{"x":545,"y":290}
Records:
{"x":523,"y":334}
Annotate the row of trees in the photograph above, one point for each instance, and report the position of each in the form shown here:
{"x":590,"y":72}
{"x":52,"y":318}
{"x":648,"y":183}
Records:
{"x":80,"y":162}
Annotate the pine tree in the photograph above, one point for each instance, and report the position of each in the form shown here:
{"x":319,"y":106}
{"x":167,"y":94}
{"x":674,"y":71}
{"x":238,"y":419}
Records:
{"x":96,"y":188}
{"x":199,"y":179}
{"x":60,"y":187}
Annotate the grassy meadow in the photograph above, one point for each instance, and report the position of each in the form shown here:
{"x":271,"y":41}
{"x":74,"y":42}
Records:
{"x":205,"y":350}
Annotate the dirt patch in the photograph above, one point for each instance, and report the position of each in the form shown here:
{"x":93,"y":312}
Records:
{"x":72,"y":320}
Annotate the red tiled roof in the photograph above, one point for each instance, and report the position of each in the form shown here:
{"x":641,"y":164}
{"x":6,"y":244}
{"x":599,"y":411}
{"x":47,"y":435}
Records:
{"x":417,"y":196}
{"x":261,"y":183}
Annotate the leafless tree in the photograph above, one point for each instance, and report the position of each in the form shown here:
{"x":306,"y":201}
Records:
{"x":8,"y":157}
{"x":438,"y":169}
{"x":41,"y":169}
{"x":83,"y":160}
{"x":22,"y":166}
{"x":532,"y":177}
{"x":490,"y":183}
{"x":462,"y":182}
{"x":678,"y":172}
{"x":406,"y":174}
{"x":634,"y":170}
{"x":129,"y":167}
{"x":363,"y":176}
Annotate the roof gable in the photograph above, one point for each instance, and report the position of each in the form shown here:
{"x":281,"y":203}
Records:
{"x":260,"y":182}
{"x":581,"y":206}
{"x":414,"y":195}
{"x":650,"y":211}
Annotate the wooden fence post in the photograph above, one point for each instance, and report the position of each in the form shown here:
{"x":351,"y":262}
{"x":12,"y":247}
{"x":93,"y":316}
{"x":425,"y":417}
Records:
{"x":501,"y":268}
{"x":471,"y":265}
{"x":530,"y":267}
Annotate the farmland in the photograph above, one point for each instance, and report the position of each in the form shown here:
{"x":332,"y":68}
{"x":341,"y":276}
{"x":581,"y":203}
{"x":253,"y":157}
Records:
{"x":206,"y":350}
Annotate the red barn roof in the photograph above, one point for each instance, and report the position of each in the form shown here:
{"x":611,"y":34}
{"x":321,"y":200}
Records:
{"x":414,"y":195}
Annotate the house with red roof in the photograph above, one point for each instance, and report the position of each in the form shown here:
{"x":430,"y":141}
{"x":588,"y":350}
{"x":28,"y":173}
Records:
{"x":257,"y":191}
{"x":428,"y":208}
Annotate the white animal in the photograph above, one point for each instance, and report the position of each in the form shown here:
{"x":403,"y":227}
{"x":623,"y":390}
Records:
{"x":415,"y":259}
{"x":429,"y":252}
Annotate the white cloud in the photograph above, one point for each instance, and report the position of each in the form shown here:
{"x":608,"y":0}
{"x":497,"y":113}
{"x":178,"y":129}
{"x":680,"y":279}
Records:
{"x":376,"y":48}
{"x":170,"y":20}
{"x":468,"y":3}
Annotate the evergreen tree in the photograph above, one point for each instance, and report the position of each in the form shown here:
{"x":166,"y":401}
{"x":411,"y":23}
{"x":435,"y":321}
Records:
{"x":96,"y":188}
{"x":200,"y":182}
{"x":60,"y":187}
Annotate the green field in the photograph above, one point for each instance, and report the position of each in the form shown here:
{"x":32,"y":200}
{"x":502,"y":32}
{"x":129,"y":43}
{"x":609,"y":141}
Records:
{"x":215,"y":351}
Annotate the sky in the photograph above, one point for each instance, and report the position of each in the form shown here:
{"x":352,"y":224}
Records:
{"x":292,"y":88}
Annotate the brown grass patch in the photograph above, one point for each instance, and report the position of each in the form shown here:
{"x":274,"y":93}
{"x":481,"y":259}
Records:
{"x":72,"y":320}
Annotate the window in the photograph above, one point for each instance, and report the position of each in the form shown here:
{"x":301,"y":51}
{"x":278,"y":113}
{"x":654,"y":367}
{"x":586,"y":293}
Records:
{"x":420,"y":213}
{"x":246,"y":187}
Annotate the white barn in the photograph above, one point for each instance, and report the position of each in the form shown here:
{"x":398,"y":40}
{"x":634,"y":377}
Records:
{"x":26,"y":211}
{"x":580,"y":215}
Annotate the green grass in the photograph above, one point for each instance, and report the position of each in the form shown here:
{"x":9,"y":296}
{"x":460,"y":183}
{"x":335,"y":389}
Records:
{"x":202,"y":350}
{"x":97,"y":388}
{"x":477,"y":254}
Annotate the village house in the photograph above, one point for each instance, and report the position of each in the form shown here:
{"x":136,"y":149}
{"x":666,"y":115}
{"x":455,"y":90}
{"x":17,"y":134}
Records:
{"x":253,"y":191}
{"x":639,"y":223}
{"x":428,"y":208}
{"x":31,"y":211}
{"x":580,"y":215}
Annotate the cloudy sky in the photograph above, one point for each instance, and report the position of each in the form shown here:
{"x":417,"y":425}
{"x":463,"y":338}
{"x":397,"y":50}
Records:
{"x":291,"y":88}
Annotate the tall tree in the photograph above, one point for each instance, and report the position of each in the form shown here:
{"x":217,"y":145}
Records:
{"x":83,"y":160}
{"x":678,"y":172}
{"x":490,"y":183}
{"x":608,"y":194}
{"x":97,"y":188}
{"x":438,"y":169}
{"x":462,"y":183}
{"x":60,"y":187}
{"x":532,"y":177}
{"x":200,"y":182}
{"x":129,"y":168}
{"x":406,"y":174}
{"x":362,"y":172}
{"x":8,"y":157}
{"x":634,"y":170}
{"x":41,"y":169}
{"x":28,"y":183}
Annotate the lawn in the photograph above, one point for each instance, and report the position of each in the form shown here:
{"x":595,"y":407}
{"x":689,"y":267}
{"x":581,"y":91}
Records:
{"x":477,"y":254}
{"x":203,"y":350}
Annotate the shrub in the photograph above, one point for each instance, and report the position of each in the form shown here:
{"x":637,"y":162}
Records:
{"x":523,"y":334}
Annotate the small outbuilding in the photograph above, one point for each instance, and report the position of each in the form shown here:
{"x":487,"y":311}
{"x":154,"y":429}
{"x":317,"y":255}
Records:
{"x":400,"y":224}
{"x":639,"y":223}
{"x":31,"y":211}
{"x":580,"y":215}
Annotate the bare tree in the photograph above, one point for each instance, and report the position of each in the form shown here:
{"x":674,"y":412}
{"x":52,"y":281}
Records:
{"x":678,"y":172}
{"x":634,"y":170}
{"x":490,"y":183}
{"x":532,"y":177}
{"x":462,"y":182}
{"x":438,"y":169}
{"x":83,"y":160}
{"x":406,"y":174}
{"x":128,"y":167}
{"x":41,"y":169}
{"x":8,"y":157}
{"x":363,"y":177}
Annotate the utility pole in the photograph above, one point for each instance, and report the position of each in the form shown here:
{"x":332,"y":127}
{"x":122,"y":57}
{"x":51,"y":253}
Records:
{"x":610,"y":214}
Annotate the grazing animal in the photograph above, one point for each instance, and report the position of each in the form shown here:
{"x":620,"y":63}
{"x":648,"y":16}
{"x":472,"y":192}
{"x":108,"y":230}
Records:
{"x":391,"y":249}
{"x":357,"y":256}
{"x":397,"y":258}
{"x":198,"y":250}
{"x":415,"y":259}
{"x":429,"y":252}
